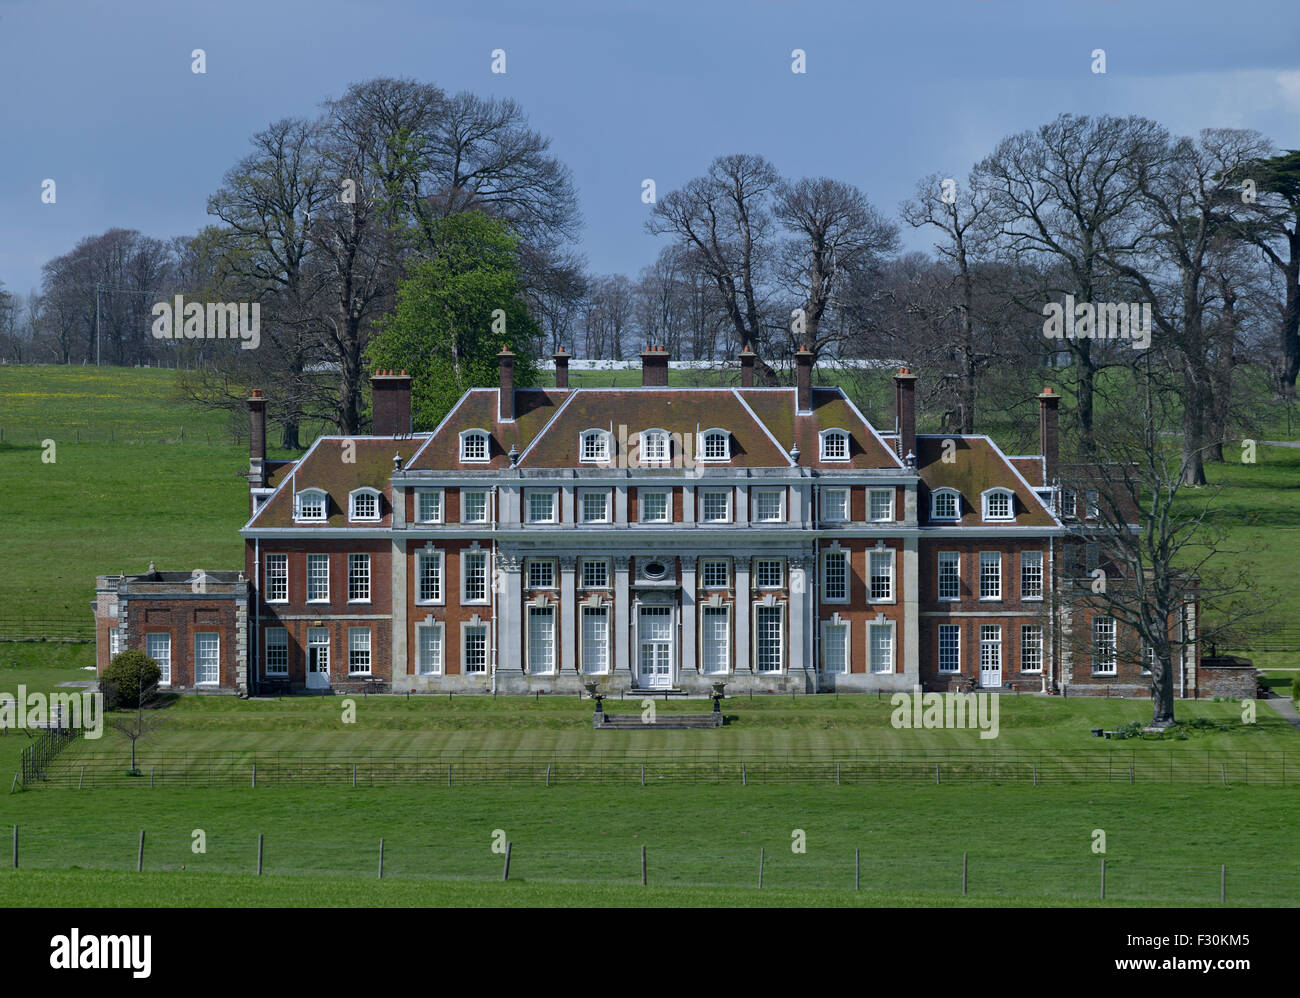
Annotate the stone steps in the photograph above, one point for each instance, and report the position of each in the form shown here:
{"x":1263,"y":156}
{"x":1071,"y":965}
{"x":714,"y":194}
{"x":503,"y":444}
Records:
{"x":663,"y":722}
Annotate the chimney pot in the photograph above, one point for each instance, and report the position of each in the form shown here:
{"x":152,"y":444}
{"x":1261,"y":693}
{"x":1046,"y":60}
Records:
{"x":654,"y":367}
{"x":561,"y":357}
{"x":1049,"y":433}
{"x":391,"y":397}
{"x":747,"y":358}
{"x":803,"y":359}
{"x":905,"y":413}
{"x":506,"y":391}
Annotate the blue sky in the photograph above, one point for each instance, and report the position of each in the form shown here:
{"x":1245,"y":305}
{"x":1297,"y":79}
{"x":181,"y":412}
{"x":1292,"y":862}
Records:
{"x":100,"y":96}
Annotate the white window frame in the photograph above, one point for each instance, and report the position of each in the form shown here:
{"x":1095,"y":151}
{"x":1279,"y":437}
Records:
{"x":889,"y":495}
{"x":848,"y":505}
{"x":642,"y":494}
{"x":354,"y":560}
{"x":467,"y":556}
{"x":704,"y":575}
{"x":761,"y":610}
{"x":757,"y":572}
{"x":873,"y":555}
{"x":301,"y":517}
{"x":531,"y":494}
{"x":585,"y":494}
{"x":842,"y":556}
{"x":825,"y":437}
{"x":532,"y":563}
{"x":282,"y":642}
{"x":114,"y":642}
{"x":939,"y":649}
{"x":354,"y":495}
{"x":354,"y":632}
{"x":988,"y":558}
{"x":1031,"y":639}
{"x":757,"y":497}
{"x":165,"y":662}
{"x":1098,"y":653}
{"x":582,"y":573}
{"x":873,"y":626}
{"x":441,"y":512}
{"x":422,"y":665}
{"x":846,"y":628}
{"x":601,"y":454}
{"x":315,"y":557}
{"x":987,"y":498}
{"x":656,"y":436}
{"x":606,"y":645}
{"x":709,"y":435}
{"x":704,"y":495}
{"x":990,"y":645}
{"x":535,"y":610}
{"x":706,"y":611}
{"x":934,"y":504}
{"x":954,"y":558}
{"x":272,"y":575}
{"x":465,"y":437}
{"x":198,"y":642}
{"x":479,"y":629}
{"x":1030,"y":560}
{"x":487,"y":505}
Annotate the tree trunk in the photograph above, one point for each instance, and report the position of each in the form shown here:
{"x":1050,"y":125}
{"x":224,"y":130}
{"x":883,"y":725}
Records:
{"x":289,"y":435}
{"x":1162,"y":695}
{"x":1195,"y":395}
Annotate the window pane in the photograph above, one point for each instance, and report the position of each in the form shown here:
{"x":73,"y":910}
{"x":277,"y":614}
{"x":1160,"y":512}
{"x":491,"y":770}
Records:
{"x":159,"y":648}
{"x":429,"y":507}
{"x":768,"y":627}
{"x":475,"y":648}
{"x":882,"y":647}
{"x":837,"y":648}
{"x":882,"y":505}
{"x":430,"y":576}
{"x":767,"y":506}
{"x":715,"y":639}
{"x":835,"y":585}
{"x":716,"y":507}
{"x":429,"y":640}
{"x":476,"y":576}
{"x":990,"y":575}
{"x":835,"y":504}
{"x":595,"y":507}
{"x":595,"y":639}
{"x":358,"y":576}
{"x":767,"y":574}
{"x":277,"y":651}
{"x":358,"y":649}
{"x":318,"y":577}
{"x":949,"y":648}
{"x":654,"y":506}
{"x":1031,"y":648}
{"x":277,"y":578}
{"x":1031,"y":575}
{"x":207,"y":658}
{"x":882,"y":575}
{"x":595,"y":574}
{"x":949,"y":575}
{"x":715,"y":574}
{"x":541,"y":640}
{"x":474,"y":507}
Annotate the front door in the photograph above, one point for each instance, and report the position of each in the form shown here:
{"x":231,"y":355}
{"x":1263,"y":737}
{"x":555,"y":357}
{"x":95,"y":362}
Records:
{"x":991,"y":655}
{"x":318,"y":658}
{"x":655,"y":660}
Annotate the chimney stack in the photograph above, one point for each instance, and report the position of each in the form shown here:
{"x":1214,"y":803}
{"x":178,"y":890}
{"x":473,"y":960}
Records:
{"x":506,"y":394}
{"x":257,"y":440}
{"x":561,"y":357}
{"x":391,"y":395}
{"x":1049,"y":433}
{"x":905,"y":412}
{"x":654,"y":366}
{"x":803,"y":359}
{"x":747,"y":358}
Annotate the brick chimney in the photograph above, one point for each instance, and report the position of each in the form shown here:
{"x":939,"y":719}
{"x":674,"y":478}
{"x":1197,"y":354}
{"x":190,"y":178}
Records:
{"x":391,"y":394}
{"x":803,"y":359}
{"x":905,"y":412}
{"x":506,"y":394}
{"x":654,"y":366}
{"x":257,"y":440}
{"x":747,"y":358}
{"x":561,"y":358}
{"x":1049,"y":433}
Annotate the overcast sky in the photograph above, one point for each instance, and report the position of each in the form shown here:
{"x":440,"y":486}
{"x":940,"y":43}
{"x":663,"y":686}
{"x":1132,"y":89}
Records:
{"x":100,"y":97}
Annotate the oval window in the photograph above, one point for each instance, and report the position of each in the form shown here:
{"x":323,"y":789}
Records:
{"x":655,"y":570}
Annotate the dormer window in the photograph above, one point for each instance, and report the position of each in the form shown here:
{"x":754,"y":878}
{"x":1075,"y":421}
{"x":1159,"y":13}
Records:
{"x":654,"y":446}
{"x":999,"y":505}
{"x":312,"y":504}
{"x":715,"y":445}
{"x":945,"y":504}
{"x":363,"y":505}
{"x":474,"y":445}
{"x":835,"y":445}
{"x":594,"y":445}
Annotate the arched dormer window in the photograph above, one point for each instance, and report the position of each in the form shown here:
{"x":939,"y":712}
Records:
{"x":594,"y":445}
{"x":311,"y":505}
{"x":999,"y":504}
{"x":654,"y":447}
{"x":945,"y":504}
{"x":835,"y":445}
{"x":474,"y":445}
{"x":715,"y":445}
{"x":363,"y":504}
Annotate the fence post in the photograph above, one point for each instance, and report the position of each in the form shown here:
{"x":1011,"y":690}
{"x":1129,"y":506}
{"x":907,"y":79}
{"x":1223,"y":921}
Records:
{"x":81,"y":779}
{"x":1223,"y":883}
{"x":1035,"y":774}
{"x":259,"y":854}
{"x":837,"y":774}
{"x":448,"y":774}
{"x":1103,"y":878}
{"x":762,"y":855}
{"x":254,"y":773}
{"x":643,"y":774}
{"x":151,"y":769}
{"x":857,"y":868}
{"x":642,"y":865}
{"x":963,"y":874}
{"x":505,"y":874}
{"x":139,"y":859}
{"x":381,"y":859}
{"x":354,"y":774}
{"x":1223,"y":770}
{"x":15,"y":847}
{"x":548,"y":775}
{"x":744,"y":781}
{"x":936,"y":772}
{"x":14,"y":786}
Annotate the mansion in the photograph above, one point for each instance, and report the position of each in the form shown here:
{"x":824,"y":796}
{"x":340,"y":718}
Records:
{"x":643,"y":539}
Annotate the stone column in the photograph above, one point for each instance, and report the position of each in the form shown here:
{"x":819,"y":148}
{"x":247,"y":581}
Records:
{"x":688,"y":504}
{"x":566,"y":505}
{"x":690,"y":666}
{"x":568,"y":635}
{"x":740,"y":500}
{"x":741,"y":663}
{"x":620,"y":504}
{"x":400,"y":679}
{"x":799,"y":665}
{"x":510,"y":644}
{"x":622,"y":605}
{"x":911,"y":638}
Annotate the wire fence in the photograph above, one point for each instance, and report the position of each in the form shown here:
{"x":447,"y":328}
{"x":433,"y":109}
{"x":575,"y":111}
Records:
{"x":94,"y":771}
{"x":290,"y":852}
{"x":80,"y":628}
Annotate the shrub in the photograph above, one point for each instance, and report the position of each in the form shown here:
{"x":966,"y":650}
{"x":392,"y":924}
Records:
{"x":128,"y":673}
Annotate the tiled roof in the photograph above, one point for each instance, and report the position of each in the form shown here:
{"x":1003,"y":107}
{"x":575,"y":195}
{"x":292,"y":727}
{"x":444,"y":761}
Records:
{"x":830,"y":409}
{"x":324,"y":467}
{"x":1033,"y":468}
{"x":977,"y":466}
{"x":477,"y":410}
